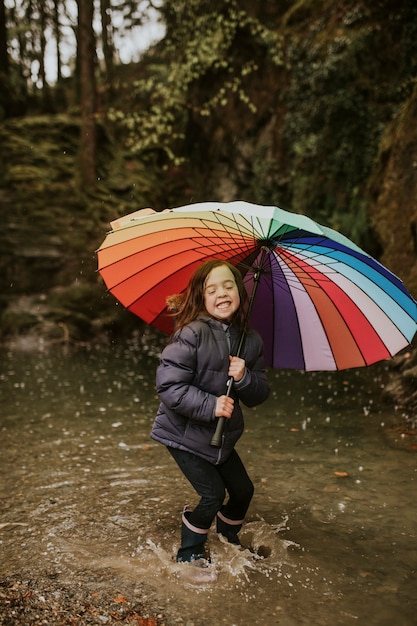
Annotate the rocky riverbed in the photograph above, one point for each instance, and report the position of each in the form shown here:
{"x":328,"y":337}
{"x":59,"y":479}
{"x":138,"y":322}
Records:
{"x":47,"y":599}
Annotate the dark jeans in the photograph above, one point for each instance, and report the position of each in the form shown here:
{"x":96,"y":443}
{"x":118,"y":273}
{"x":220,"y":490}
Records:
{"x":211,"y":482}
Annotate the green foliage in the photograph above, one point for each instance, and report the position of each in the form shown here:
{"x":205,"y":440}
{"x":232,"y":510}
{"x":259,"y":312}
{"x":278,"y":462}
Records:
{"x":353,"y":220}
{"x":336,"y":114}
{"x":198,"y":53}
{"x":261,"y":185}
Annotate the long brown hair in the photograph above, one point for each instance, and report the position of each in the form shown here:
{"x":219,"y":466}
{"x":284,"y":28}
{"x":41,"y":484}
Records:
{"x":188,"y":305}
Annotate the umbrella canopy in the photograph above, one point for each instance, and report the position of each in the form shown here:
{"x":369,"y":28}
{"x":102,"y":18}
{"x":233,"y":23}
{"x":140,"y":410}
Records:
{"x":322,"y":303}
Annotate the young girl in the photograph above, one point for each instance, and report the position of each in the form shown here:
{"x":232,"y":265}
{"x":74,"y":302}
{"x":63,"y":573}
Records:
{"x":191,"y":383}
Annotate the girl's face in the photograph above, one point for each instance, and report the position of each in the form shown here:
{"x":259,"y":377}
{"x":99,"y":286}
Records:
{"x":221,"y":295}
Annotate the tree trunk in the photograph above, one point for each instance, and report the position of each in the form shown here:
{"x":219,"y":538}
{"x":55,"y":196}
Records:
{"x":4,"y":59}
{"x":57,"y":34}
{"x":46,"y":95}
{"x":86,"y":55}
{"x":107,"y":37}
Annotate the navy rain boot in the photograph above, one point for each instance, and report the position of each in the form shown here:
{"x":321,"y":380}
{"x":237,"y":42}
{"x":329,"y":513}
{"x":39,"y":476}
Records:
{"x":192,"y":541}
{"x":229,"y":528}
{"x":198,"y":569}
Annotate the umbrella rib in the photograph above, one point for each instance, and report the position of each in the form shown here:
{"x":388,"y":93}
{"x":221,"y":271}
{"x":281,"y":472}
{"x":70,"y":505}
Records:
{"x":210,"y":243}
{"x":156,"y":283}
{"x":238,"y":228}
{"x":298,"y":285}
{"x":243,"y":236}
{"x":333,"y":269}
{"x":342,"y":314}
{"x":275,"y":260}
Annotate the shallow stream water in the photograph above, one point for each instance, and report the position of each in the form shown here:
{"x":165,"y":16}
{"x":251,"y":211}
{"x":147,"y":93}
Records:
{"x":331,"y":532}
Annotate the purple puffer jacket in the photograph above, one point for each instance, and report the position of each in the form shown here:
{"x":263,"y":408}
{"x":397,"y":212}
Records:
{"x":192,"y":374}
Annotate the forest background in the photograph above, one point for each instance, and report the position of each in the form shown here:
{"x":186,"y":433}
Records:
{"x":310,"y":105}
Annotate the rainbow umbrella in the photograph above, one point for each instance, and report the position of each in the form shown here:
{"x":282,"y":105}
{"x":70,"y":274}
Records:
{"x":321,"y":302}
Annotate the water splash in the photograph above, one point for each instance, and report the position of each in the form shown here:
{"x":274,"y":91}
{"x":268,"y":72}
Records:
{"x":262,"y":552}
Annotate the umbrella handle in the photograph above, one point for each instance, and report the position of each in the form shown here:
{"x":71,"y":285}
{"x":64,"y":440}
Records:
{"x":216,"y":440}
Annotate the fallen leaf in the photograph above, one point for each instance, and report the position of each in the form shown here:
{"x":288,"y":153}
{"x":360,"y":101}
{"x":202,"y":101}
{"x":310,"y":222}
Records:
{"x":120,"y":599}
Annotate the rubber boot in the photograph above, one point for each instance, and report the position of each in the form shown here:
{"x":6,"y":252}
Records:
{"x":192,"y":541}
{"x":229,"y":528}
